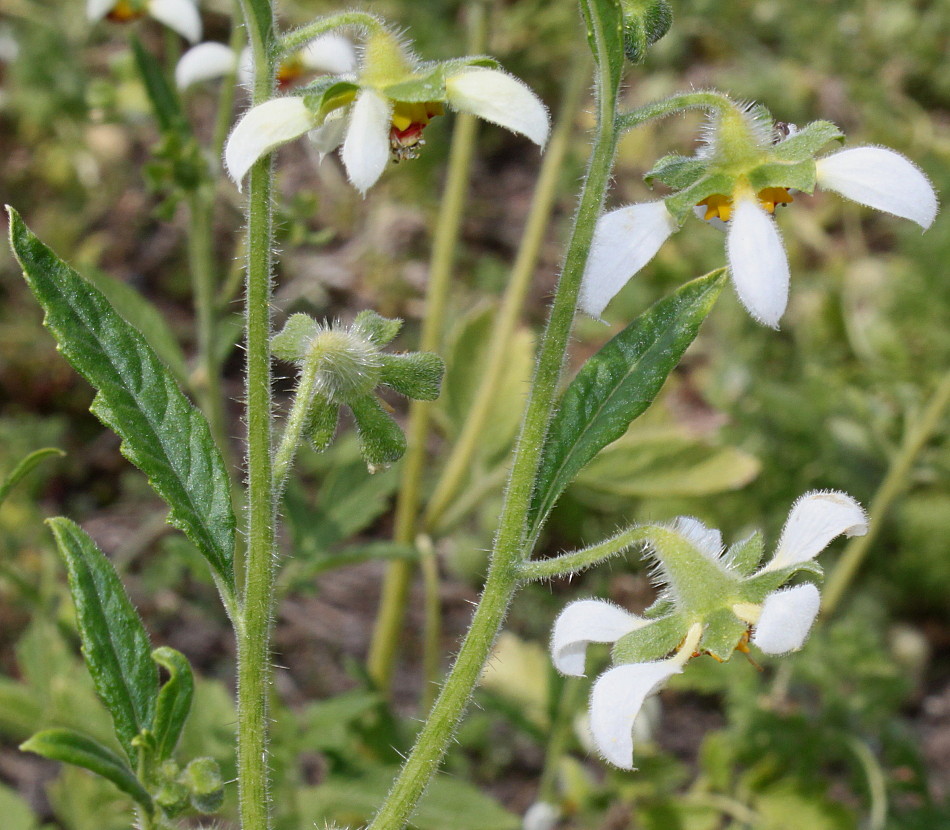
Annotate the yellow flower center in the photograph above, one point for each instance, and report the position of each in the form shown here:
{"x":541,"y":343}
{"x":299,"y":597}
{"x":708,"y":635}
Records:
{"x":720,"y":207}
{"x":408,"y":121}
{"x":290,"y":71}
{"x":124,"y":11}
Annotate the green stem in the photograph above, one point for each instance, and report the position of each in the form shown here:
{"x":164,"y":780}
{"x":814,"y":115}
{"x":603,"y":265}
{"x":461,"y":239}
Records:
{"x":299,"y":38}
{"x":431,"y":651}
{"x":572,"y":693}
{"x":580,"y":560}
{"x":457,"y":468}
{"x":502,"y":579}
{"x":915,"y":439}
{"x":296,"y":420}
{"x":706,"y":99}
{"x":389,"y":618}
{"x":254,"y":662}
{"x":877,"y":783}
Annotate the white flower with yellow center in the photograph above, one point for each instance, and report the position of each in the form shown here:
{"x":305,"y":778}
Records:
{"x":382,"y":112}
{"x":736,"y":182}
{"x":181,"y":16}
{"x":715,"y":601}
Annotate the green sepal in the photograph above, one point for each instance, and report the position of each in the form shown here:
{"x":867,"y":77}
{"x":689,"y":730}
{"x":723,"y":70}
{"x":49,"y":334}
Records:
{"x":807,"y":141}
{"x":723,"y":632}
{"x":428,"y":85}
{"x":676,"y":171}
{"x":114,"y":642}
{"x":25,"y":466}
{"x":417,"y":375}
{"x":170,"y":794}
{"x":292,"y":342}
{"x":651,"y":642}
{"x":327,"y":94}
{"x":644,"y":23}
{"x":799,"y":175}
{"x":744,"y":557}
{"x":162,"y":433}
{"x":680,"y":205}
{"x":757,"y":588}
{"x":322,"y":420}
{"x":380,"y":439}
{"x":174,"y":701}
{"x":202,"y":778}
{"x":381,"y":330}
{"x":70,"y":747}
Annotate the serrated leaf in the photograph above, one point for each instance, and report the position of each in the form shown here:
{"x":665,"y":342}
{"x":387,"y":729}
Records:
{"x":447,"y":803}
{"x":617,"y":385}
{"x":604,"y":20}
{"x":24,"y":467}
{"x":173,"y":704}
{"x":138,"y":311}
{"x":162,"y":433}
{"x":71,"y":747}
{"x":114,"y":641}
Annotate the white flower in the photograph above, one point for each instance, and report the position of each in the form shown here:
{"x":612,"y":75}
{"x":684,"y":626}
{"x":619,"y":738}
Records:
{"x":330,"y":53}
{"x":627,"y":238}
{"x":373,"y":122}
{"x":181,"y":16}
{"x":588,"y":621}
{"x":541,"y":816}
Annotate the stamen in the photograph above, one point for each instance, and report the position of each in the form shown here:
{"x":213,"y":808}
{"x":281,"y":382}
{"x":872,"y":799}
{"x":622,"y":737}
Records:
{"x":124,"y":11}
{"x":409,"y":119}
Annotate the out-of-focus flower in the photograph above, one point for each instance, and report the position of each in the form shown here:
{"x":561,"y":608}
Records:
{"x":181,"y":16}
{"x":747,"y":169}
{"x":714,"y":601}
{"x":382,"y":112}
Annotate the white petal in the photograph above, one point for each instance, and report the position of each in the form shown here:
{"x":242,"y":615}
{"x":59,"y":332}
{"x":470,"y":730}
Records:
{"x":616,"y":701}
{"x":881,"y":179}
{"x":787,"y":617}
{"x":366,"y":146}
{"x":97,"y":9}
{"x":204,"y":62}
{"x":263,"y":128}
{"x":624,"y":241}
{"x":815,"y":519}
{"x":330,"y":53}
{"x":708,"y":541}
{"x":541,"y":816}
{"x":758,"y":262}
{"x":181,"y":16}
{"x":583,"y":622}
{"x":330,"y":134}
{"x":500,"y":98}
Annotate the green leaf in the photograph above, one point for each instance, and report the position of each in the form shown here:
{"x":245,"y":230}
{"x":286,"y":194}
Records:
{"x":25,"y":467}
{"x":174,"y":701}
{"x":604,"y":20}
{"x":138,"y":311}
{"x":447,"y":803}
{"x":380,"y":438}
{"x":617,"y":385}
{"x":114,"y":641}
{"x":162,"y":95}
{"x":71,"y":747}
{"x":417,"y":375}
{"x":162,"y":433}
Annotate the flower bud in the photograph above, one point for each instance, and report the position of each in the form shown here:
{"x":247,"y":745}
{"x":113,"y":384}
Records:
{"x":202,"y":777}
{"x":644,"y":23}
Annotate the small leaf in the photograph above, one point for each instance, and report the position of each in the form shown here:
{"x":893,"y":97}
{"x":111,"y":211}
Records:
{"x":25,"y":467}
{"x":114,"y":641}
{"x":162,"y":433}
{"x":617,"y":385}
{"x":174,"y":701}
{"x":162,"y":95}
{"x":71,"y":747}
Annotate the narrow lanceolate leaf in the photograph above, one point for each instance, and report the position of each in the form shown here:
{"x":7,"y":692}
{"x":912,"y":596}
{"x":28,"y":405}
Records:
{"x":71,"y":747}
{"x":174,"y":701}
{"x":160,"y":92}
{"x":604,"y":20}
{"x":617,"y":385}
{"x":162,"y":433}
{"x":114,"y":641}
{"x":24,"y":467}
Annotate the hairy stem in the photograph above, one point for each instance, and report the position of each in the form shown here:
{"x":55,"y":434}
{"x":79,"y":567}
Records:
{"x":580,"y":560}
{"x":388,"y":630}
{"x":705,"y":99}
{"x":299,"y":38}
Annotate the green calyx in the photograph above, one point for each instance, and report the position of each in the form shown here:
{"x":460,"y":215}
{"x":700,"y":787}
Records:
{"x":644,"y":23}
{"x":343,"y":366}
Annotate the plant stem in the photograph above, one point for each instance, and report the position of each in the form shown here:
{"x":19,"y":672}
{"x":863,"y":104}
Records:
{"x":431,"y":650}
{"x":254,"y":642}
{"x":572,"y":692}
{"x":389,"y":618}
{"x":580,"y":560}
{"x":299,"y":38}
{"x":502,"y":579}
{"x":296,"y":420}
{"x":456,"y":469}
{"x":706,"y":99}
{"x":915,"y":439}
